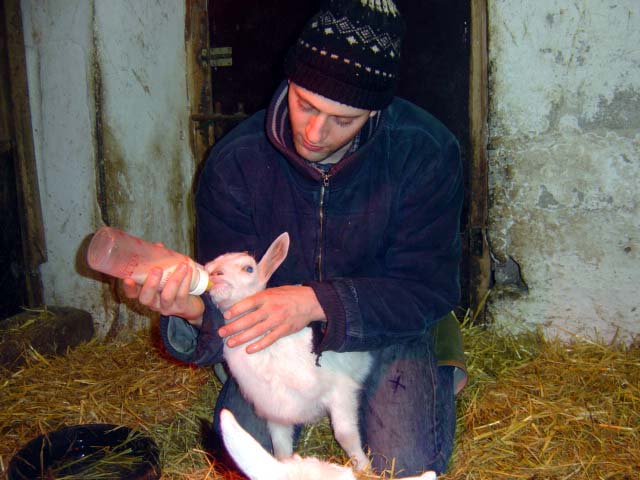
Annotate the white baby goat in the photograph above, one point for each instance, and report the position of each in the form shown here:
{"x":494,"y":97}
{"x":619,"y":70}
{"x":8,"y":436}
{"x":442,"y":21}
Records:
{"x":283,"y":382}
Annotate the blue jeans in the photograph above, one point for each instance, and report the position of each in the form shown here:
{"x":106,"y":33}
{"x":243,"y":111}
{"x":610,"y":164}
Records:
{"x":407,"y":411}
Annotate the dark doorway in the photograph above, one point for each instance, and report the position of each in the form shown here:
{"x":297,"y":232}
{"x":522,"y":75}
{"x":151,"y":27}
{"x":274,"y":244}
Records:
{"x":12,"y":285}
{"x":12,"y":271}
{"x":22,"y":246}
{"x":434,"y":65}
{"x":435,"y":75}
{"x":259,"y":34}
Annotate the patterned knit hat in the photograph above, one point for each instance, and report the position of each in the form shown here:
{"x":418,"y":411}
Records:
{"x":350,"y":52}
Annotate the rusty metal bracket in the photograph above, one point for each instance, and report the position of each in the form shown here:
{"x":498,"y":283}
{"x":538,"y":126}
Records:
{"x":218,"y":121}
{"x":216,"y":57}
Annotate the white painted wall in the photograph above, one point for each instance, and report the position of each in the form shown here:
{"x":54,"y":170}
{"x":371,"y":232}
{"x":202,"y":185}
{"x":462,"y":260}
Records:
{"x":122,"y":62}
{"x":565,"y":163}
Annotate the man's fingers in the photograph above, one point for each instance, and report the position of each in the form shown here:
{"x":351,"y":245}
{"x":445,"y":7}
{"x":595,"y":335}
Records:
{"x":149,"y":291}
{"x":130,"y":288}
{"x":251,"y":302}
{"x":173,"y":298}
{"x":269,"y":339}
{"x":174,"y":289}
{"x":245,"y":330}
{"x":244,"y":322}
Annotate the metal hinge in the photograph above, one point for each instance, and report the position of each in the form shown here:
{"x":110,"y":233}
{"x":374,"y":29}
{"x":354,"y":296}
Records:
{"x":216,"y":57}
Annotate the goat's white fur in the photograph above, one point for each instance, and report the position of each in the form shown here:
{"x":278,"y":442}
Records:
{"x":283,"y":382}
{"x":258,"y":464}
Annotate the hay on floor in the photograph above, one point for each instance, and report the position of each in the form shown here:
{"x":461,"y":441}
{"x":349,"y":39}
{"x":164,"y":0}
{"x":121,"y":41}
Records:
{"x":126,"y":383}
{"x":534,"y":409}
{"x":548,"y":409}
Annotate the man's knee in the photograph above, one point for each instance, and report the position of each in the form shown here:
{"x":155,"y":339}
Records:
{"x":412,"y":430}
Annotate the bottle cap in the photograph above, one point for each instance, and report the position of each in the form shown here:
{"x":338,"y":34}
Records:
{"x":202,"y":283}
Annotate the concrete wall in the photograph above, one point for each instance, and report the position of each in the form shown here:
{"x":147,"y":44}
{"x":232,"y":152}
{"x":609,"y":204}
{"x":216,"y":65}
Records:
{"x":565,"y":165}
{"x":110,"y":110}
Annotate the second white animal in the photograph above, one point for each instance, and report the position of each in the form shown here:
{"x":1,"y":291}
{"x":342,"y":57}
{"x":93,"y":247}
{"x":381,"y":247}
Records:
{"x":258,"y":464}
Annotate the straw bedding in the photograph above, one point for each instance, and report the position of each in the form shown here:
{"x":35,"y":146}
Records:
{"x":534,"y":409}
{"x":542,"y":409}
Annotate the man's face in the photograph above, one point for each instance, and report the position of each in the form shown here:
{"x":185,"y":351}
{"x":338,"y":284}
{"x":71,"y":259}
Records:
{"x":322,"y":126}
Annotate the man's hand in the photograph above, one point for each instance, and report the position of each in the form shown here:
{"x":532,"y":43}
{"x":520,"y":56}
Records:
{"x":172,"y":299}
{"x":277,"y":312}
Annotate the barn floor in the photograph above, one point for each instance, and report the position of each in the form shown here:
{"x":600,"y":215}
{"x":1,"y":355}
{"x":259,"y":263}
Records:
{"x":534,"y":408}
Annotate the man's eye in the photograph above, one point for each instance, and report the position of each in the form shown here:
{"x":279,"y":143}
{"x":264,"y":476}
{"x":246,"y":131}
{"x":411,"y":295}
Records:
{"x":342,"y":122}
{"x":248,"y":269}
{"x":305,"y":107}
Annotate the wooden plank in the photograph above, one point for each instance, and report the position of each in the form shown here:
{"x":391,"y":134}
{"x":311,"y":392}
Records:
{"x":5,"y":102}
{"x":31,"y":224}
{"x":198,"y":75}
{"x":198,"y":88}
{"x":479,"y":259}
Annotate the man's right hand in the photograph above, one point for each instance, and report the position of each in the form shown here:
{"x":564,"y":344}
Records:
{"x":173,"y":299}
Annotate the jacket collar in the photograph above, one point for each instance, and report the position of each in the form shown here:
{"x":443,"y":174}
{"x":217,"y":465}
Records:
{"x":279,"y":133}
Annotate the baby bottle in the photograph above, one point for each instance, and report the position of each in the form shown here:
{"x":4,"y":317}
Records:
{"x":121,"y":255}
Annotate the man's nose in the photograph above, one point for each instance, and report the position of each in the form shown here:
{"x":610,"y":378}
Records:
{"x":316,"y":128}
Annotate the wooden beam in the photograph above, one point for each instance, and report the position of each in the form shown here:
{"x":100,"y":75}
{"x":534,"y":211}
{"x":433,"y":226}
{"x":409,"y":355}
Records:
{"x":479,"y":257}
{"x":30,"y":211}
{"x":198,"y":75}
{"x":198,"y":87}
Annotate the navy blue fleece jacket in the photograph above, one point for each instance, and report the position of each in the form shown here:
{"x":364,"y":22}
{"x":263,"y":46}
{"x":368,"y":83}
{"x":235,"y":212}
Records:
{"x":376,"y":236}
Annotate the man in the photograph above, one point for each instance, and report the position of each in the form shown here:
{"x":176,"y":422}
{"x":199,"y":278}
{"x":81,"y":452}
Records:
{"x":369,"y":188}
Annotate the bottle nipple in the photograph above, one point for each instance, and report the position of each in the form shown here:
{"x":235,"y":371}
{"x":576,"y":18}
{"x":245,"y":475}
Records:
{"x":200,"y":282}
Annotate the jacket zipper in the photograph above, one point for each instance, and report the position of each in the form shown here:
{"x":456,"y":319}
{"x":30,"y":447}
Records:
{"x":323,"y":188}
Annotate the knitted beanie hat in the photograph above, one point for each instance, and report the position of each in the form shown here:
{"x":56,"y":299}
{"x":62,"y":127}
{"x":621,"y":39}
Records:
{"x":349,"y":52}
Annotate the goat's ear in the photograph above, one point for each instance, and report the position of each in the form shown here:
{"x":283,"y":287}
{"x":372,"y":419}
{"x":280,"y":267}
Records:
{"x":273,"y":258}
{"x":248,"y":454}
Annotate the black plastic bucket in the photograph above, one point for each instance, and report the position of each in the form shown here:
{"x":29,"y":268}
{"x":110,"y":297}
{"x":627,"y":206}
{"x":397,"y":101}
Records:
{"x":88,"y":451}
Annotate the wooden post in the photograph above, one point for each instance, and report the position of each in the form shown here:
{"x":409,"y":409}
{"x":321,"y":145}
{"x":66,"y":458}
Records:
{"x":198,"y":75}
{"x":479,"y":257}
{"x":30,"y":211}
{"x":198,"y":86}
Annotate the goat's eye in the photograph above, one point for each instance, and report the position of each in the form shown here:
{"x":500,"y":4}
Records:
{"x":248,"y":269}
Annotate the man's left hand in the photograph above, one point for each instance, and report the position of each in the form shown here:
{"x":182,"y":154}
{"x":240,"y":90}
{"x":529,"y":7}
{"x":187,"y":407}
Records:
{"x":277,"y":312}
